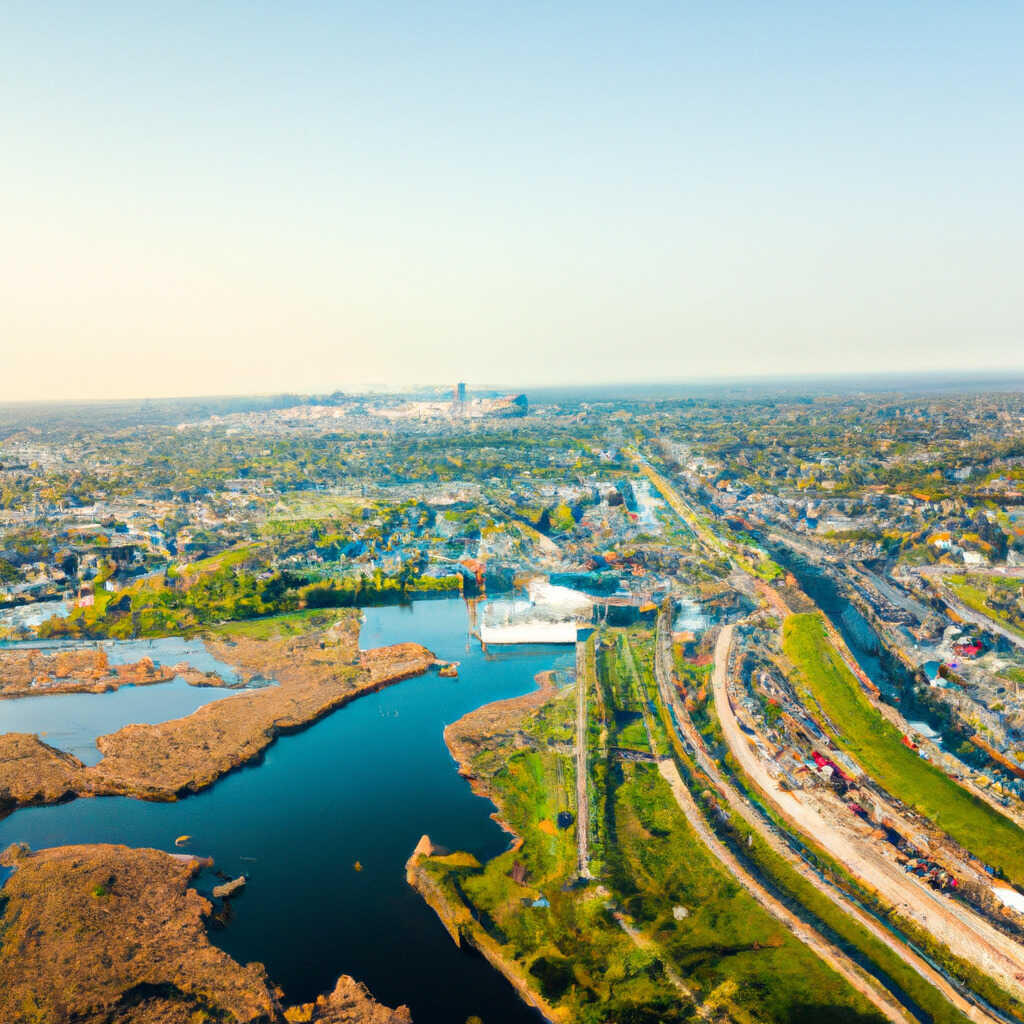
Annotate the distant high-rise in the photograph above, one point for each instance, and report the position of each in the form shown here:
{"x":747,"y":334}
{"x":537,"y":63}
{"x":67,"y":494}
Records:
{"x":460,"y":392}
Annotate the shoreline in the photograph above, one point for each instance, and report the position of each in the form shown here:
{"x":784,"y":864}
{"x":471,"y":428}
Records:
{"x":88,"y":670}
{"x":493,"y":714}
{"x":317,"y":674}
{"x":458,"y":920}
{"x":464,"y":929}
{"x":150,"y":954}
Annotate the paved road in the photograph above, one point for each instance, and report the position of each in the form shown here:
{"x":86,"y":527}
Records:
{"x":583,"y":678}
{"x":982,"y":621}
{"x":964,"y":933}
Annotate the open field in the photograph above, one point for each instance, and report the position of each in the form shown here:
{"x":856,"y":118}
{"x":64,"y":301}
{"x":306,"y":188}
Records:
{"x":267,"y":626}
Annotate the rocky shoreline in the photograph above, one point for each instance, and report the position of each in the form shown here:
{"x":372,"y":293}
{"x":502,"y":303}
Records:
{"x":111,"y":935}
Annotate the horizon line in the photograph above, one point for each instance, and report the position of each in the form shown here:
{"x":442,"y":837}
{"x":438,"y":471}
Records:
{"x":966,"y":376}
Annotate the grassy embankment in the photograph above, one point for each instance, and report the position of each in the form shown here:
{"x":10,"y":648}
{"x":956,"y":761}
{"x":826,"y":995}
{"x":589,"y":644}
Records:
{"x":848,"y":932}
{"x":981,"y":597}
{"x":799,"y":894}
{"x":728,"y":950}
{"x":827,"y":917}
{"x":630,"y":676}
{"x":876,"y":745}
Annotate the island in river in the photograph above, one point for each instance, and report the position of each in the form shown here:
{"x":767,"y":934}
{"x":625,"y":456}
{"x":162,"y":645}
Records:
{"x":30,"y":672}
{"x":104,"y":934}
{"x":110,"y":933}
{"x":315,"y":673}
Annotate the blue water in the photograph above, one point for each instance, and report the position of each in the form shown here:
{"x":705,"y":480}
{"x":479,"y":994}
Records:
{"x":169,"y":650}
{"x":363,"y":784}
{"x":72,"y":721}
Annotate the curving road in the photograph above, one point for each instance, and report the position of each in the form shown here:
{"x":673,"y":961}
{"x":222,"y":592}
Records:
{"x":964,"y":933}
{"x":836,"y":958}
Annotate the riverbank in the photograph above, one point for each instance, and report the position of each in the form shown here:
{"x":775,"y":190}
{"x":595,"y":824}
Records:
{"x":428,"y":866}
{"x":359,"y":785}
{"x":316,"y":673}
{"x":465,"y":737}
{"x":661,"y":931}
{"x":421,"y":872}
{"x":32,"y":672}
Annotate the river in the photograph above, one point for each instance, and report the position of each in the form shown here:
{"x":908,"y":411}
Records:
{"x":361,"y":785}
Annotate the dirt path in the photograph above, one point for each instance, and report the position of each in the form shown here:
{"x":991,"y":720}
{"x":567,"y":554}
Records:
{"x":963,"y":933}
{"x":648,"y":945}
{"x":832,"y":956}
{"x":977,"y":942}
{"x":768,"y":835}
{"x":830,"y":953}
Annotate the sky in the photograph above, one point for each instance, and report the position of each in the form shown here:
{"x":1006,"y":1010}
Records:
{"x":228,"y":198}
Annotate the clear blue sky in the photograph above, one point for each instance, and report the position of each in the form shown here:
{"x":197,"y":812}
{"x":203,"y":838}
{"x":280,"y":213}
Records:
{"x":201,"y":198}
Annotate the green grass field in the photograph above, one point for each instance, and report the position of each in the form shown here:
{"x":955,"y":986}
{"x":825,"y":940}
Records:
{"x":738,"y":959}
{"x":877,"y":746}
{"x":285,"y":624}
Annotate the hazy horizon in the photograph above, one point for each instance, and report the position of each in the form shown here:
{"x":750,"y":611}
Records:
{"x":825,"y":385}
{"x":251,"y":200}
